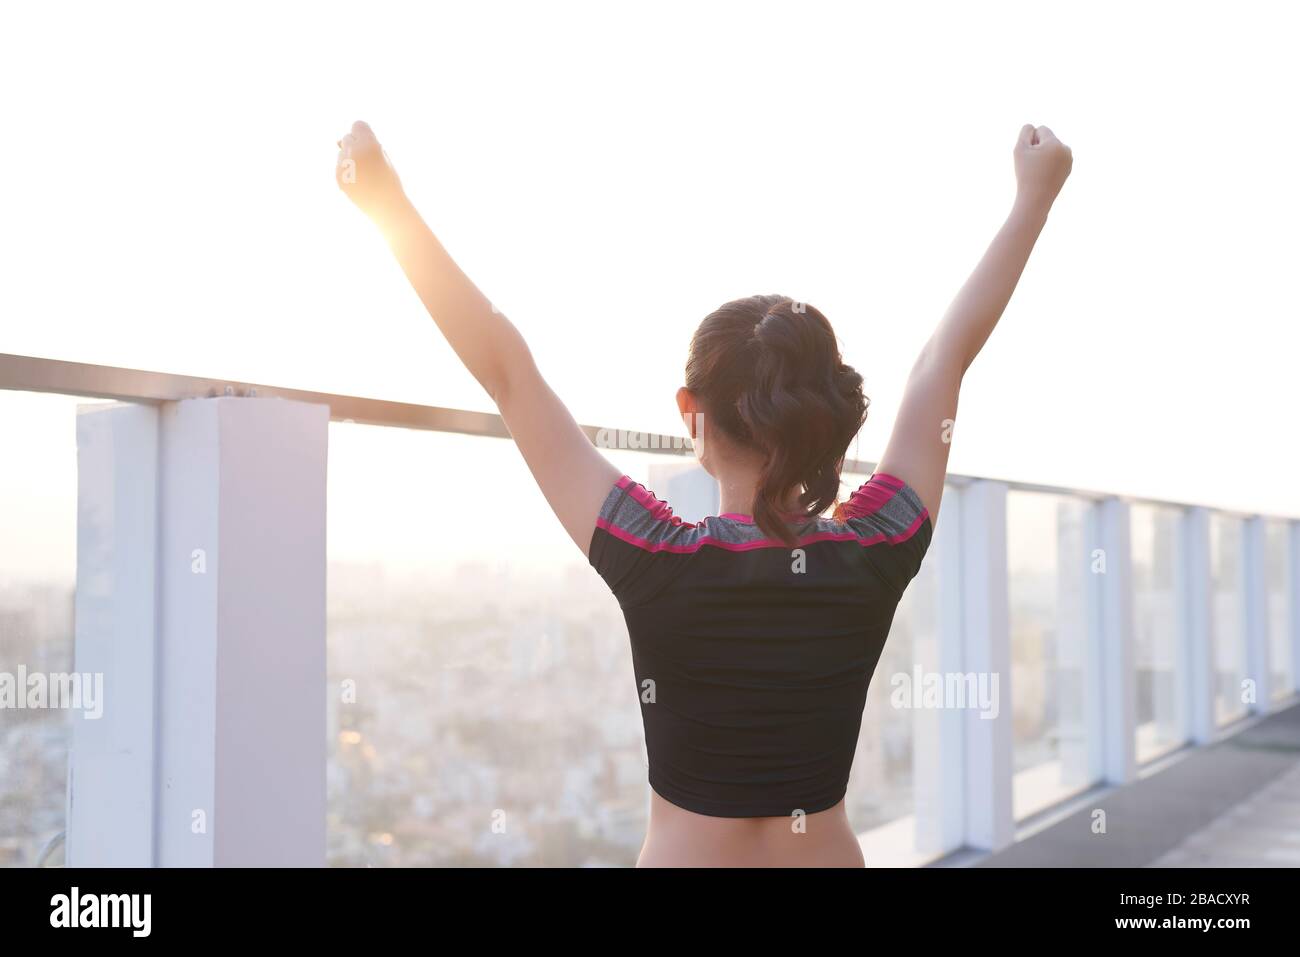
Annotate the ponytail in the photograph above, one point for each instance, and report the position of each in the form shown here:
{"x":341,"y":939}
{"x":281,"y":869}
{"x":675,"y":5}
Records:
{"x":769,"y":374}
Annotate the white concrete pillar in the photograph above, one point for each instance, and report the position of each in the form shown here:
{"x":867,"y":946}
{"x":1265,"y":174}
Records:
{"x":939,"y":774}
{"x":986,"y":646}
{"x":201,"y":553}
{"x":1117,"y":658}
{"x":111,"y":799}
{"x":1077,"y":675}
{"x":1293,"y":598}
{"x":1254,"y":599}
{"x":1196,"y":628}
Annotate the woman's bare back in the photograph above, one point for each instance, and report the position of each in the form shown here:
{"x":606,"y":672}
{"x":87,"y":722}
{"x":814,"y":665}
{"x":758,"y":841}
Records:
{"x":680,"y":838}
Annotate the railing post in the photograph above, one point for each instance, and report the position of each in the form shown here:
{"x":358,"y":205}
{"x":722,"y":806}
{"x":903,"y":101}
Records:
{"x":1081,"y":566}
{"x":209,"y":627}
{"x":1116,"y":659}
{"x":1293,"y":598}
{"x":110,"y":798}
{"x":1254,"y":596}
{"x":938,"y":735}
{"x":990,"y":817}
{"x":1196,"y":606}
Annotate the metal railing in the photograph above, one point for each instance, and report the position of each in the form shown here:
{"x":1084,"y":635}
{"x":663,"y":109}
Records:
{"x":20,"y":373}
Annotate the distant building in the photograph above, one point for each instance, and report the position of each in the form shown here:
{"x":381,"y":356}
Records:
{"x":691,"y":491}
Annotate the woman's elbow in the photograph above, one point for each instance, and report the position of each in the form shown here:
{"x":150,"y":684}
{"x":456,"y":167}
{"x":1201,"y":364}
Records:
{"x":510,"y":366}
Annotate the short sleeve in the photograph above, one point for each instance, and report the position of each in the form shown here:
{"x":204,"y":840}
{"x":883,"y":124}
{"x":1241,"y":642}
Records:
{"x":892,"y":526}
{"x":638,"y":544}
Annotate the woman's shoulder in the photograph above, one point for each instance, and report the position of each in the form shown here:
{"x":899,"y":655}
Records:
{"x":885,"y":509}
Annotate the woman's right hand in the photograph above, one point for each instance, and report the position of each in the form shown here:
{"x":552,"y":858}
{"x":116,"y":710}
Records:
{"x":1042,"y":164}
{"x":365,"y":175}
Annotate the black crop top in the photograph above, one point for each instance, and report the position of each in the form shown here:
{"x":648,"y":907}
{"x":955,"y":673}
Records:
{"x":752,"y":657}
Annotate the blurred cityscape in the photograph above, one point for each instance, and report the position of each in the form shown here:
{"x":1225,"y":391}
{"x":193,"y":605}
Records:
{"x":36,"y":631}
{"x":489,"y":718}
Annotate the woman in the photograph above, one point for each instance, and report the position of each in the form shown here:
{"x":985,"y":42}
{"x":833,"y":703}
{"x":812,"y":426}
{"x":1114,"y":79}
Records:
{"x":755,"y":632}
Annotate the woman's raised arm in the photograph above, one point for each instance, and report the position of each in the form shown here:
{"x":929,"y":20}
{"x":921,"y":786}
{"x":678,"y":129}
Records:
{"x":573,"y":475}
{"x":917,"y":451}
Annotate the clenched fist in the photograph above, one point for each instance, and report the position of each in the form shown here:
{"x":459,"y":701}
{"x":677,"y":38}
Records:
{"x":1042,"y":164}
{"x":365,"y":175}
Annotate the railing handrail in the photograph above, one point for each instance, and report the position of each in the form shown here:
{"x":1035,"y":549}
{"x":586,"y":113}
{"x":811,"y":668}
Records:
{"x":19,"y":373}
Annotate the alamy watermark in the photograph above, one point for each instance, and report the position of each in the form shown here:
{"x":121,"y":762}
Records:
{"x":56,"y":690}
{"x":627,"y":439}
{"x":977,"y":691}
{"x":128,"y":911}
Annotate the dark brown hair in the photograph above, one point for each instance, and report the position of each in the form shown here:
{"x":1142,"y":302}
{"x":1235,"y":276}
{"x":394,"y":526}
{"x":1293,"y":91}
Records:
{"x":767,"y":371}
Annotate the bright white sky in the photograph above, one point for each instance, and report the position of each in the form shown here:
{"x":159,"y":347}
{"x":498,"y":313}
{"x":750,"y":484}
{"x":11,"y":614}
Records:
{"x":609,"y":174}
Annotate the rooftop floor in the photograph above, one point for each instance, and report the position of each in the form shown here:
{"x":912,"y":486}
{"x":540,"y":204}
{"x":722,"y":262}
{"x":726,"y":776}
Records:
{"x":1233,"y":803}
